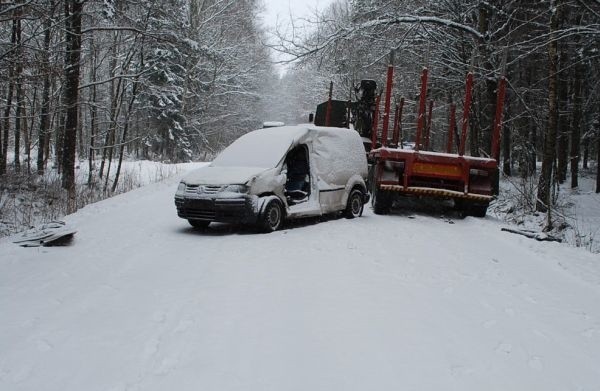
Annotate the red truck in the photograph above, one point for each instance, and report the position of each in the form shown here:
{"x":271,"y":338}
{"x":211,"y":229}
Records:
{"x":471,"y":182}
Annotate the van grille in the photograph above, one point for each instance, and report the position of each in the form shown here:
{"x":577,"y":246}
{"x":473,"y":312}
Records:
{"x":203,"y":189}
{"x":191,"y":189}
{"x":210,"y":189}
{"x":199,"y":214}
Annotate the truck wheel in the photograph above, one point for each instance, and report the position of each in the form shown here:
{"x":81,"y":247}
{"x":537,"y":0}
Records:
{"x":199,"y":224}
{"x":381,"y":202}
{"x":355,"y":204}
{"x":272,"y":217}
{"x":475,"y":209}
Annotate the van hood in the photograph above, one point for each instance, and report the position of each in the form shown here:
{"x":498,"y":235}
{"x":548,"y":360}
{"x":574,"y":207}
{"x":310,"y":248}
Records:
{"x":210,"y":175}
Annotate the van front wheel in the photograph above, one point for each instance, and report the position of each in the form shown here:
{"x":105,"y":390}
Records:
{"x":272,"y":217}
{"x":355,"y":205}
{"x":199,"y":224}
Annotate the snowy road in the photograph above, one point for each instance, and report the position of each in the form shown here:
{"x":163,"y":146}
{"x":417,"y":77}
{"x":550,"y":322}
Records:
{"x":141,"y":301}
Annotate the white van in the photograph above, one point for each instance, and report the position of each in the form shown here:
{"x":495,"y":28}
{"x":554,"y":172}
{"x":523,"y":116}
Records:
{"x":273,"y":174}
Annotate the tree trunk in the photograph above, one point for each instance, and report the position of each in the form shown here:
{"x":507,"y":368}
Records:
{"x":506,"y":144}
{"x":19,"y":97}
{"x":110,"y":134}
{"x":586,"y":152}
{"x":598,"y":160}
{"x":575,"y":151}
{"x":8,"y":107}
{"x":18,"y":123}
{"x":73,"y":11}
{"x":6,"y":126}
{"x":28,"y":133}
{"x":93,"y":116}
{"x":545,"y":180}
{"x":533,"y":144}
{"x":124,"y":136}
{"x":487,"y":105}
{"x":45,"y":114}
{"x":563,"y":106}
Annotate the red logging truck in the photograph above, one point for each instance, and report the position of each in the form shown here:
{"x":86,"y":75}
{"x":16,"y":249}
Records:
{"x":471,"y":182}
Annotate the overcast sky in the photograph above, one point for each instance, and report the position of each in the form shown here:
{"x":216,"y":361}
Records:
{"x":282,"y":9}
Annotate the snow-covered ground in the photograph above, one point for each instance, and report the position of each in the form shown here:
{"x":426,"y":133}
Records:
{"x":29,"y":201}
{"x":575,"y":212}
{"x":409,"y":301}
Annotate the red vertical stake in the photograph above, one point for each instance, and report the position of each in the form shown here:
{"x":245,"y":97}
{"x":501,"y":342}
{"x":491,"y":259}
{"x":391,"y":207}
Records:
{"x":395,"y":128}
{"x":466,"y":110}
{"x":451,"y":129}
{"x":498,"y":118}
{"x":388,"y":99}
{"x":428,"y":130}
{"x":328,"y":111}
{"x":398,"y":124}
{"x":375,"y":123}
{"x":421,"y":114}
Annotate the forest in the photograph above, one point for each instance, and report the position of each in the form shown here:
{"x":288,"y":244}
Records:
{"x":95,"y":82}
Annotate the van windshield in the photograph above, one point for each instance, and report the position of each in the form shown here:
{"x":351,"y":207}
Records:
{"x":261,"y":148}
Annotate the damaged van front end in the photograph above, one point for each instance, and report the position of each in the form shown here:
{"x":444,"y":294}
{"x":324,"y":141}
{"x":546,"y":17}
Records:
{"x":203,"y":197}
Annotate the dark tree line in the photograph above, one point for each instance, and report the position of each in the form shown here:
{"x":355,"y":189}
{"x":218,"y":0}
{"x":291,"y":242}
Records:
{"x":102,"y":80}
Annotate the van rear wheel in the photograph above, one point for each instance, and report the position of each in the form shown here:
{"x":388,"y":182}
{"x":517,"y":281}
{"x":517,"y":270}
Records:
{"x":355,"y":205}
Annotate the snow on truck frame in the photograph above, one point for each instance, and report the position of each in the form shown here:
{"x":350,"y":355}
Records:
{"x":471,"y":182}
{"x":273,"y":174}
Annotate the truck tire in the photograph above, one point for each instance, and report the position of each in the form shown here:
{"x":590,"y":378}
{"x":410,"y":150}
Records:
{"x":478,"y":209}
{"x":470,"y":208}
{"x":382,"y":201}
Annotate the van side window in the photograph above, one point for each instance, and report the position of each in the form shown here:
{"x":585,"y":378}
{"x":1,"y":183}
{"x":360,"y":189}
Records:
{"x":297,"y":186}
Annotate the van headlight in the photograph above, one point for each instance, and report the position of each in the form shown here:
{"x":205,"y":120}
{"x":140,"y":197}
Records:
{"x":243,"y":189}
{"x":181,"y":187}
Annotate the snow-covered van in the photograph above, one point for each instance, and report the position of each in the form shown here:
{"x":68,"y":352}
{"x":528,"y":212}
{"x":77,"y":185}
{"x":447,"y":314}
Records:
{"x":273,"y":174}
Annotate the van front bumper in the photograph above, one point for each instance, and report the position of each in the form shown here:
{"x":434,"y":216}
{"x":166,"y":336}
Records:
{"x":226,"y":210}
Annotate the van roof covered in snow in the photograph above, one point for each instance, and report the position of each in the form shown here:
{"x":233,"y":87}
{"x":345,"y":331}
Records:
{"x":267,"y":147}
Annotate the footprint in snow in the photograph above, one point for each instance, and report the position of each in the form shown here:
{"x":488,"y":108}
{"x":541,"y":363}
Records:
{"x":535,"y":362}
{"x":183,"y":325}
{"x":530,"y":300}
{"x":150,"y":349}
{"x":459,"y":370}
{"x":505,"y":348}
{"x":21,"y":374}
{"x":488,"y":324}
{"x":159,"y":317}
{"x":167,"y":365}
{"x":43,"y":345}
{"x":590,"y":333}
